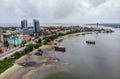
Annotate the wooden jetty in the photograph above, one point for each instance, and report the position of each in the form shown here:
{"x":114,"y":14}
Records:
{"x":90,"y":42}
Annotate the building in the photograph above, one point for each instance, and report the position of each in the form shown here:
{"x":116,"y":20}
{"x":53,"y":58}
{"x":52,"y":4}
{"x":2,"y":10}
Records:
{"x":2,"y":48}
{"x":26,"y":37}
{"x":24,"y":24}
{"x":15,"y":40}
{"x":1,"y":35}
{"x":36,"y":25}
{"x":4,"y":36}
{"x":27,"y":31}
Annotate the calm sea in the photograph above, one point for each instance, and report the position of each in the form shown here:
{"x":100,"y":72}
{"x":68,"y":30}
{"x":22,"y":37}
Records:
{"x":83,"y":61}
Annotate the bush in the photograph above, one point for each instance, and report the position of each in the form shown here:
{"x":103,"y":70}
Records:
{"x":37,"y":45}
{"x":39,"y":40}
{"x":17,"y":55}
{"x":45,"y":42}
{"x":1,"y":51}
{"x":29,"y":47}
{"x":6,"y":44}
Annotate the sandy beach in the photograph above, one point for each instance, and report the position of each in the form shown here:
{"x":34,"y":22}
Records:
{"x":40,"y":64}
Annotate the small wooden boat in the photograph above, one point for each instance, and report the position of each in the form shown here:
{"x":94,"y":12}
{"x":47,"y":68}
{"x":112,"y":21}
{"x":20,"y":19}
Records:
{"x":90,"y":42}
{"x":62,"y":49}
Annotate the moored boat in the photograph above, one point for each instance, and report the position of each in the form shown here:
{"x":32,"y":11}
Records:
{"x":90,"y":42}
{"x":60,"y":49}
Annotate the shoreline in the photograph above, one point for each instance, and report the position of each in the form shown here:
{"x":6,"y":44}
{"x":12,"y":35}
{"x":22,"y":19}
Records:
{"x":44,"y":63}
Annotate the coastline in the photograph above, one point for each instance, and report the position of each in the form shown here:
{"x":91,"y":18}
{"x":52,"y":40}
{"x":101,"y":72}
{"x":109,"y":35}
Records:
{"x":44,"y":63}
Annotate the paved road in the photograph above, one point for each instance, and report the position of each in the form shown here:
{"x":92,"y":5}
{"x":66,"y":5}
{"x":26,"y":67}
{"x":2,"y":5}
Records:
{"x":11,"y":52}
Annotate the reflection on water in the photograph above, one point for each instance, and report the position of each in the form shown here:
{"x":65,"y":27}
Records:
{"x":100,"y":61}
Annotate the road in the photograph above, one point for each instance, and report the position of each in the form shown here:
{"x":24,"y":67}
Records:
{"x":11,"y":52}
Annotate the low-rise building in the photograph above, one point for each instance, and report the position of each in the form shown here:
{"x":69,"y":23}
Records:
{"x":15,"y":40}
{"x":3,"y":49}
{"x":26,"y":37}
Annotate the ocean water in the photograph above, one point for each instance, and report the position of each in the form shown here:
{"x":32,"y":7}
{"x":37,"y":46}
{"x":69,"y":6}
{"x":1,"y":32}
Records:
{"x":83,"y":61}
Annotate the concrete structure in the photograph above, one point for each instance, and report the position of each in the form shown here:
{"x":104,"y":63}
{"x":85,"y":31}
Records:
{"x":15,"y":40}
{"x":24,"y":24}
{"x":36,"y":25}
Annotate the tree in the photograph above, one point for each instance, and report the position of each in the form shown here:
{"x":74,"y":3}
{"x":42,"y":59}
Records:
{"x":6,"y":44}
{"x":30,"y":47}
{"x":17,"y":55}
{"x":22,"y":44}
{"x":32,"y":35}
{"x":37,"y":45}
{"x":44,"y":42}
{"x":39,"y":40}
{"x":1,"y":51}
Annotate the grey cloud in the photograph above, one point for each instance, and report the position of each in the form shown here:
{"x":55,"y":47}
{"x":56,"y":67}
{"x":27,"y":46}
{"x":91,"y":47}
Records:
{"x":59,"y":10}
{"x":96,"y":3}
{"x":64,"y":8}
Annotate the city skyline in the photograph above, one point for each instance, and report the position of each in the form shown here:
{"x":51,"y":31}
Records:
{"x":77,"y":11}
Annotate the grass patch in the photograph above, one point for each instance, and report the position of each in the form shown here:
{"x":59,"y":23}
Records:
{"x":6,"y":64}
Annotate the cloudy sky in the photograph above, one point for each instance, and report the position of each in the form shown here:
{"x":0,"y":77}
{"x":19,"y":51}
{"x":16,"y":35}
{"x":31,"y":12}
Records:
{"x":60,"y":11}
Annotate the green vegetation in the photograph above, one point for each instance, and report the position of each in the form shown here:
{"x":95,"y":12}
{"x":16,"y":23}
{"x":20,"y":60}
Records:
{"x":17,"y":55}
{"x":37,"y":45}
{"x":1,"y":51}
{"x":51,"y":38}
{"x":22,"y":44}
{"x":30,"y":47}
{"x":6,"y":44}
{"x":6,"y":64}
{"x":39,"y":40}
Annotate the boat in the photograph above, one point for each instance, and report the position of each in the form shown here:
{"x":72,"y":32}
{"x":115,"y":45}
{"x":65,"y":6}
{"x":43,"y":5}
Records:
{"x":62,"y":49}
{"x":90,"y":42}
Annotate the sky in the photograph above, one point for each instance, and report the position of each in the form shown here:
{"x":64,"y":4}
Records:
{"x":60,"y":11}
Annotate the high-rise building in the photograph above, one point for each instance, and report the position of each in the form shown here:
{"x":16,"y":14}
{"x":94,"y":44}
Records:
{"x":36,"y":25}
{"x":24,"y":24}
